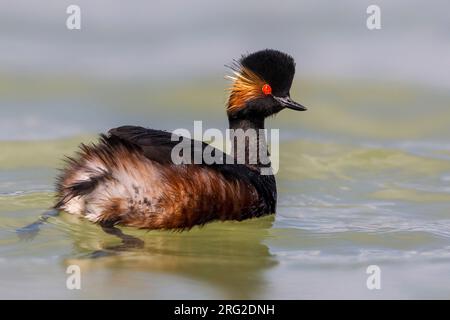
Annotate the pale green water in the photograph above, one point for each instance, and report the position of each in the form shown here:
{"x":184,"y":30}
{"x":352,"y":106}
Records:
{"x":364,"y":179}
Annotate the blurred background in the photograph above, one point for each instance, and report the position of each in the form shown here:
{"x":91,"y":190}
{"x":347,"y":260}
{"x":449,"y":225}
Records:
{"x":364,"y":173}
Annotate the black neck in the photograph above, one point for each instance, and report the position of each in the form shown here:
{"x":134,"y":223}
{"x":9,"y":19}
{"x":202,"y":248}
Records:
{"x":252,"y":148}
{"x":246,"y":123}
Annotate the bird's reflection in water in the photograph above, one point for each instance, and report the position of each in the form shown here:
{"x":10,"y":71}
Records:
{"x":230,"y":256}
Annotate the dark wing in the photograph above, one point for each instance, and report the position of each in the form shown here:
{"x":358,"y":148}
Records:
{"x":157,"y":145}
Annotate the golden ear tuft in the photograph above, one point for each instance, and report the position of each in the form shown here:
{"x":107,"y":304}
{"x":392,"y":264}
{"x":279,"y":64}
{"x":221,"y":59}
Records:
{"x":246,"y":86}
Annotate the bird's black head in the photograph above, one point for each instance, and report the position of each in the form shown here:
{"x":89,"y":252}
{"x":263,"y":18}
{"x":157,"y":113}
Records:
{"x":261,"y":85}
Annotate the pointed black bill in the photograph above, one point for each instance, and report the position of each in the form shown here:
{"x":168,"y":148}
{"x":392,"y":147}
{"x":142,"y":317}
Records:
{"x":291,"y":104}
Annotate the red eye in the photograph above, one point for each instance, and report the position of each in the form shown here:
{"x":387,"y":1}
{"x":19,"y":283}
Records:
{"x":266,"y":89}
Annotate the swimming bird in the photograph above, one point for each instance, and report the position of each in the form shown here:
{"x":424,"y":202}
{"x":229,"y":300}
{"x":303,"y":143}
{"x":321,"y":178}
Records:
{"x":129,"y":177}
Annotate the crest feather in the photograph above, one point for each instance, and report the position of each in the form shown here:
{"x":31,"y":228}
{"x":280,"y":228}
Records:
{"x":246,"y":86}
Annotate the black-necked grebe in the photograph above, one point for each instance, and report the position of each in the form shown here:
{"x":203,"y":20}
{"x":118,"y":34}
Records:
{"x":129,"y":177}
